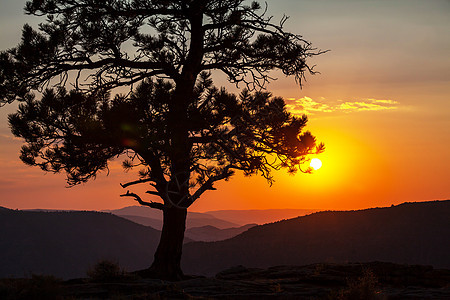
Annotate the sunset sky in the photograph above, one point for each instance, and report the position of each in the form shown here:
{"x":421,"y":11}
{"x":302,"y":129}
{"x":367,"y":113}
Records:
{"x":381,"y":105}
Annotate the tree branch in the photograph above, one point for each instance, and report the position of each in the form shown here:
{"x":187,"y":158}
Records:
{"x":155,"y":205}
{"x":135,"y":182}
{"x":208,"y":186}
{"x":153,"y":193}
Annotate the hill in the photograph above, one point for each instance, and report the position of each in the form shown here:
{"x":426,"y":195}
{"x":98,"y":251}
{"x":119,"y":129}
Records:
{"x":259,"y":216}
{"x":221,"y":219}
{"x":194,"y":219}
{"x":153,"y":223}
{"x":66,"y":244}
{"x":212,"y":234}
{"x":206,"y":233}
{"x":411,"y":233}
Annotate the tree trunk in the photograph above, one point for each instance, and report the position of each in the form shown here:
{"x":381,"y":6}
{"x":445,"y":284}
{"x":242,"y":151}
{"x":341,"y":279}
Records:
{"x":166,"y":264}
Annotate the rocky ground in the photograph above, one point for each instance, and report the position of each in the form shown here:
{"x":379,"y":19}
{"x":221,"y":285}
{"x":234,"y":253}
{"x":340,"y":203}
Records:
{"x":319,"y":281}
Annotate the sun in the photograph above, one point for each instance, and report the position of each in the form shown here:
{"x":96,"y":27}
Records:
{"x":315,"y":163}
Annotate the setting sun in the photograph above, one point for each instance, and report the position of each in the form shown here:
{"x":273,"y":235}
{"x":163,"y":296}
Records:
{"x":315,"y":163}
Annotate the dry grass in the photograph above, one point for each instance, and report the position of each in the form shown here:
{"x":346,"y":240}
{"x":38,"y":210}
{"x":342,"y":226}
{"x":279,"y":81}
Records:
{"x":363,"y":288}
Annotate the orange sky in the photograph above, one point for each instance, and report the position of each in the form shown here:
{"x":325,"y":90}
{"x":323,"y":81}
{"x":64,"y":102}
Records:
{"x":381,"y":105}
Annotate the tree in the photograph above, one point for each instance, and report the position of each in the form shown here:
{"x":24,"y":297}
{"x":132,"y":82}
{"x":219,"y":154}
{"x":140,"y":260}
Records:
{"x":183,"y":132}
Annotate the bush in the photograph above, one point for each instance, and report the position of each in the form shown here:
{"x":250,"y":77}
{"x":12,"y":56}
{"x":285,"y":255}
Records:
{"x":105,"y":270}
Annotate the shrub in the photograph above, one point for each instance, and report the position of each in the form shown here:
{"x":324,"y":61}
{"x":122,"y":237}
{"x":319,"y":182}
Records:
{"x":364,"y":288}
{"x":105,"y":270}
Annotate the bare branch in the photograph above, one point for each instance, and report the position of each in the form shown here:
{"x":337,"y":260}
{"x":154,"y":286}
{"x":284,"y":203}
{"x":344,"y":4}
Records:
{"x":124,"y":185}
{"x":155,"y":205}
{"x":152,"y":193}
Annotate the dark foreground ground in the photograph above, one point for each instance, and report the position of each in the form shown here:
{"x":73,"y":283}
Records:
{"x":319,"y":281}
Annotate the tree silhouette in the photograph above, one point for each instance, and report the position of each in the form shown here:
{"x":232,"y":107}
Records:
{"x":184,"y":133}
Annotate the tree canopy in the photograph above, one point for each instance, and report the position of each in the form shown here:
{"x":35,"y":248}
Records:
{"x":102,"y":44}
{"x":79,"y":134}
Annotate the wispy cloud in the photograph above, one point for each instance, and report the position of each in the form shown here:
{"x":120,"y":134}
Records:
{"x":310,"y":106}
{"x":9,"y":137}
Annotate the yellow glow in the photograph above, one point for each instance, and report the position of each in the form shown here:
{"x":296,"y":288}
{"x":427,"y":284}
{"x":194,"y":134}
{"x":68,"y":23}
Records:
{"x":315,"y":163}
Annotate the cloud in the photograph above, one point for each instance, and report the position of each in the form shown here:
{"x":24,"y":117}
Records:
{"x":310,"y":106}
{"x":9,"y":137}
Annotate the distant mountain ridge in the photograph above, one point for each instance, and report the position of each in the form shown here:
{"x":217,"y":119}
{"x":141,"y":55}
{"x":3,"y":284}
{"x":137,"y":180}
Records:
{"x":221,"y":219}
{"x":153,"y":223}
{"x":259,"y":216}
{"x":66,"y":244}
{"x":194,"y":219}
{"x":411,"y":233}
{"x":211,"y":234}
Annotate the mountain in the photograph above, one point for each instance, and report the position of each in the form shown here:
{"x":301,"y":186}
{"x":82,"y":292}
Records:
{"x":154,"y":223}
{"x":212,"y":234}
{"x":259,"y":216}
{"x":194,"y":219}
{"x":66,"y":244}
{"x":136,"y":210}
{"x":205,"y":233}
{"x":410,"y":233}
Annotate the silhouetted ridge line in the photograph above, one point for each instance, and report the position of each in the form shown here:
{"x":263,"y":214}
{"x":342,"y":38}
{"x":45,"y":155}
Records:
{"x":411,"y":233}
{"x":66,"y":244}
